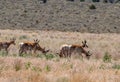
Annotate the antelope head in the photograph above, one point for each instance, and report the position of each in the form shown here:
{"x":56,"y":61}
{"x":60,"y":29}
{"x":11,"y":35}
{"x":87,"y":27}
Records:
{"x":12,"y":41}
{"x":45,"y":51}
{"x":36,"y":41}
{"x":88,"y":55}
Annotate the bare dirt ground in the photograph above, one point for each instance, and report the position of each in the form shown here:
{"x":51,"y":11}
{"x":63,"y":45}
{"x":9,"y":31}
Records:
{"x":60,"y":15}
{"x":39,"y":69}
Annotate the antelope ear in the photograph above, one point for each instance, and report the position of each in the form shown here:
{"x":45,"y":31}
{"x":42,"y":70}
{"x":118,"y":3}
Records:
{"x":85,"y":41}
{"x":82,"y":42}
{"x":37,"y":40}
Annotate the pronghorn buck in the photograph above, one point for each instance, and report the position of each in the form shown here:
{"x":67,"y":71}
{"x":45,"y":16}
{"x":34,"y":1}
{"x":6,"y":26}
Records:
{"x":79,"y":50}
{"x":5,"y":45}
{"x":67,"y":50}
{"x":29,"y":46}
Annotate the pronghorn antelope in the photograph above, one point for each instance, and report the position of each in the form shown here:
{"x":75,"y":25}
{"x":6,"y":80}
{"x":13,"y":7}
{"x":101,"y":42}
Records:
{"x":80,"y":50}
{"x":29,"y":46}
{"x":67,"y":50}
{"x":5,"y":45}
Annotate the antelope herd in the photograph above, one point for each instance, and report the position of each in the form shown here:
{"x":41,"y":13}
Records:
{"x":65,"y":50}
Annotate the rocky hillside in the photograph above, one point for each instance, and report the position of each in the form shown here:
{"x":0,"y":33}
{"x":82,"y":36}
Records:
{"x":60,"y":15}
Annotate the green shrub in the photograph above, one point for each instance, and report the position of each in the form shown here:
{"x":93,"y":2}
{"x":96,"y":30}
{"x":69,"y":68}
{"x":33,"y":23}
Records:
{"x":17,"y":65}
{"x":40,"y":55}
{"x":49,"y":56}
{"x":37,"y":69}
{"x":25,"y":55}
{"x":47,"y":68}
{"x":107,"y":57}
{"x":116,"y":66}
{"x":3,"y":53}
{"x":28,"y":65}
{"x":23,"y":37}
{"x":92,"y":7}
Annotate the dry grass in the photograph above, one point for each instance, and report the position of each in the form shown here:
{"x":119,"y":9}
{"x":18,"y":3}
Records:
{"x":33,"y":69}
{"x":65,"y":70}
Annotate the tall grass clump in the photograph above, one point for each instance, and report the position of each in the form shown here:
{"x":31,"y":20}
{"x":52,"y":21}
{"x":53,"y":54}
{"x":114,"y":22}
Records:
{"x":107,"y":57}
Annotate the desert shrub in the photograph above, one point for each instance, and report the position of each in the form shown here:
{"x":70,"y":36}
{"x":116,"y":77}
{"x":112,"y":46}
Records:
{"x":44,"y":1}
{"x":23,"y":37}
{"x":47,"y":68}
{"x":82,"y":0}
{"x":117,"y":1}
{"x":3,"y":53}
{"x":92,"y":7}
{"x":28,"y":65}
{"x":70,"y":0}
{"x":37,"y":69}
{"x":107,"y":57}
{"x":95,"y":0}
{"x":116,"y":66}
{"x":105,"y":1}
{"x":40,"y":56}
{"x":25,"y":55}
{"x":49,"y":56}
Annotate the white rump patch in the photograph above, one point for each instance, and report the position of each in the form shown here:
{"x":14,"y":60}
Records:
{"x":20,"y":44}
{"x":65,"y":45}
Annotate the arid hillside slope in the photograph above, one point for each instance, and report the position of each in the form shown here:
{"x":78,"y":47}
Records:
{"x":60,"y":15}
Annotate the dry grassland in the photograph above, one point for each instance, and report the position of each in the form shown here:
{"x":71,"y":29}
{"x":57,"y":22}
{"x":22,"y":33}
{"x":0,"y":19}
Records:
{"x":36,"y":69}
